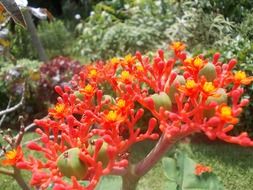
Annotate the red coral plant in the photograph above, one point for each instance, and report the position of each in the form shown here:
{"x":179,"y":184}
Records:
{"x":97,"y":118}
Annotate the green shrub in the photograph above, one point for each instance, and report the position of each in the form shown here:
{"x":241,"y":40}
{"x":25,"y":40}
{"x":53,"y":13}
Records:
{"x":55,"y":37}
{"x":12,"y":78}
{"x":107,"y":33}
{"x":197,"y":28}
{"x":21,"y":45}
{"x":246,"y":26}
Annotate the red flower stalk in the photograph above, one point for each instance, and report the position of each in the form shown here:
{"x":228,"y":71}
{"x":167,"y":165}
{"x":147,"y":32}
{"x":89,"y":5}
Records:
{"x":200,"y":169}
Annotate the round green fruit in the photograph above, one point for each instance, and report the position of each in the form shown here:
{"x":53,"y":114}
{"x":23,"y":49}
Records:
{"x":102,"y":154}
{"x":220,"y":99}
{"x":162,"y":100}
{"x":110,"y":100}
{"x":209,"y":72}
{"x":179,"y":79}
{"x":70,"y":164}
{"x":79,"y":95}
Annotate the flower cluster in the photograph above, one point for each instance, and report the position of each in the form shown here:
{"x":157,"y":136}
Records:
{"x":110,"y":106}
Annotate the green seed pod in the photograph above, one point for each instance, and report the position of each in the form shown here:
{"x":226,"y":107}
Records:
{"x":110,"y":100}
{"x":70,"y":164}
{"x":209,"y":72}
{"x":179,"y":79}
{"x":102,"y":154}
{"x":162,"y":100}
{"x":220,"y":99}
{"x":79,"y":95}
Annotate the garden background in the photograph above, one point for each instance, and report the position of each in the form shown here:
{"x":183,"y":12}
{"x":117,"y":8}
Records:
{"x":79,"y":32}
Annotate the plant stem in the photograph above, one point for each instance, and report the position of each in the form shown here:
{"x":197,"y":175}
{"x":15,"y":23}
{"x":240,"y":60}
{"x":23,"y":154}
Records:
{"x":130,"y":179}
{"x":18,"y":177}
{"x":34,"y":37}
{"x":6,"y":172}
{"x":135,"y":172}
{"x":166,"y":141}
{"x":163,"y":145}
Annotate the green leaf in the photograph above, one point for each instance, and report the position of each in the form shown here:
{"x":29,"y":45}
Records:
{"x":180,"y":172}
{"x":110,"y":182}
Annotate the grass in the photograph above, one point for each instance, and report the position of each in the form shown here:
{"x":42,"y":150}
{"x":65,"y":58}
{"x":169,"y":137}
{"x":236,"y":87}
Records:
{"x":232,"y":163}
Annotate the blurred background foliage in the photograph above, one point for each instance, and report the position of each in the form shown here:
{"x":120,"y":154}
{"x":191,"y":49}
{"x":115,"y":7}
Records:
{"x":91,"y":30}
{"x":83,"y":31}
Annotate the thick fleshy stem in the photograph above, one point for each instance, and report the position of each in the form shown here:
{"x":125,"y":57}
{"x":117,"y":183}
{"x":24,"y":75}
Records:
{"x":20,"y":180}
{"x":135,"y":172}
{"x":163,"y":145}
{"x":130,"y":179}
{"x":167,"y":140}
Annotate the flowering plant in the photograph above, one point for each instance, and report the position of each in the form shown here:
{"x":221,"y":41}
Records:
{"x":111,"y":106}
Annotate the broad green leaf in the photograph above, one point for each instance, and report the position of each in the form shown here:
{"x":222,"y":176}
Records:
{"x":180,"y":172}
{"x":110,"y":182}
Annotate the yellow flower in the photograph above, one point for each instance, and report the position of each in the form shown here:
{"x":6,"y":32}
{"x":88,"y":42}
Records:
{"x":129,"y":59}
{"x":198,"y":62}
{"x":12,"y":157}
{"x":88,"y":90}
{"x":111,"y":116}
{"x":190,"y":87}
{"x":126,"y":76}
{"x":208,"y":87}
{"x":59,"y":111}
{"x":240,"y":77}
{"x":115,"y":60}
{"x":226,"y":111}
{"x":190,"y":84}
{"x":121,"y":103}
{"x":177,"y":46}
{"x":59,"y":108}
{"x":92,"y":73}
{"x":140,"y":68}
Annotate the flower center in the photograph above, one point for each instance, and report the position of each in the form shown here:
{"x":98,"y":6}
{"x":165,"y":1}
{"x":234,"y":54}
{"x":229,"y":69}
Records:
{"x":88,"y":89}
{"x":208,"y":87}
{"x":190,"y":84}
{"x":111,"y":116}
{"x":177,"y":46}
{"x":121,"y":103}
{"x":93,"y":73}
{"x":240,"y":75}
{"x":199,"y":63}
{"x":226,"y":111}
{"x":59,"y":108}
{"x":125,"y":75}
{"x":129,"y":58}
{"x":11,"y":154}
{"x":115,"y":60}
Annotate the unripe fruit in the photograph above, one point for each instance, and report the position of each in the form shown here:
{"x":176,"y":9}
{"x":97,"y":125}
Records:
{"x":220,"y":99}
{"x":70,"y":164}
{"x":79,"y":95}
{"x":109,"y":99}
{"x":102,"y":154}
{"x":162,"y":100}
{"x":209,"y":72}
{"x":179,"y":79}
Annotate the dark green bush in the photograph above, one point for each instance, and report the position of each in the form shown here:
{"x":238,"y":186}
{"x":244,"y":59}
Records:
{"x":55,"y":37}
{"x":105,"y":34}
